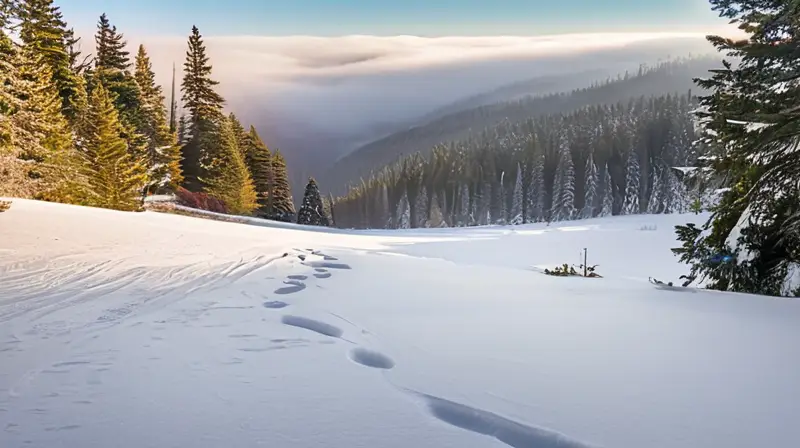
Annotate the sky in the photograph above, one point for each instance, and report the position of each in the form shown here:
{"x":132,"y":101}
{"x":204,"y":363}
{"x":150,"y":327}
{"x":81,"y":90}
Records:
{"x":392,"y":17}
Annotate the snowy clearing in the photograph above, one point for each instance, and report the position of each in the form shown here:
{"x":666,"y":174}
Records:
{"x":156,"y":330}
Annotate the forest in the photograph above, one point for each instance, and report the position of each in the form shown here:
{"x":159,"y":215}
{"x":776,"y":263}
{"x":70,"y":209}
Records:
{"x":595,"y":161}
{"x":96,"y":130}
{"x":673,"y":76}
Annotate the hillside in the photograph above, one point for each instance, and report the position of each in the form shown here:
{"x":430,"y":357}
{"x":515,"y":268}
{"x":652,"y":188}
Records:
{"x":153,"y":330}
{"x":672,"y":77}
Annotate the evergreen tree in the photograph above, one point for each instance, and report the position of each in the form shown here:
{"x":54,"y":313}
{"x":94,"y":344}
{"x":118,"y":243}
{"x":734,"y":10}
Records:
{"x":204,"y":105}
{"x":631,"y":204}
{"x":564,"y":187}
{"x":404,"y":212}
{"x":282,"y":204}
{"x":608,"y":194}
{"x":43,"y":31}
{"x":259,"y":161}
{"x":656,"y":204}
{"x":537,"y":186}
{"x":436,"y":218}
{"x":464,"y":216}
{"x":183,"y":131}
{"x":229,"y":180}
{"x":516,"y":203}
{"x":115,"y":178}
{"x":590,"y":190}
{"x":312,"y":212}
{"x":162,"y":150}
{"x":421,"y":207}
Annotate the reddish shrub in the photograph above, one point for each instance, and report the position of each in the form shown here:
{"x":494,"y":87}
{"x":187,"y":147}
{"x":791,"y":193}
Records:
{"x":200,"y":201}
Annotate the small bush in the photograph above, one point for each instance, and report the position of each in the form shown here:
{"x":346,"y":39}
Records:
{"x":566,"y":270}
{"x":4,"y":205}
{"x":200,"y":201}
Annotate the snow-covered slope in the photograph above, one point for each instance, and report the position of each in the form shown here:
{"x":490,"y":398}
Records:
{"x":151,"y":330}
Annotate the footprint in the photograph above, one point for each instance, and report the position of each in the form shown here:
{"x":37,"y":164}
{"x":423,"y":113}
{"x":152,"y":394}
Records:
{"x":275,"y":304}
{"x":70,"y":363}
{"x":321,"y":270}
{"x":294,"y":286}
{"x":297,"y":277}
{"x":509,"y":432}
{"x":324,"y":264}
{"x":371,"y":358}
{"x":242,"y":335}
{"x":323,"y":275}
{"x":313,"y":325}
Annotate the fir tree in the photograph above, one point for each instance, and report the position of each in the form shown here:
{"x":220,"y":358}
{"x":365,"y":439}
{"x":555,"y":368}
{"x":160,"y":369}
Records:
{"x":229,"y":180}
{"x":312,"y":212}
{"x":162,"y":150}
{"x":404,"y":212}
{"x":282,"y":204}
{"x":516,"y":201}
{"x":435,"y":218}
{"x":421,"y":207}
{"x":259,"y":161}
{"x":204,"y":106}
{"x":564,"y":187}
{"x":590,"y":190}
{"x":110,"y":53}
{"x":115,"y":178}
{"x":631,"y":204}
{"x":44,"y":32}
{"x":608,"y":193}
{"x":465,"y":217}
{"x":656,"y":205}
{"x":537,"y":187}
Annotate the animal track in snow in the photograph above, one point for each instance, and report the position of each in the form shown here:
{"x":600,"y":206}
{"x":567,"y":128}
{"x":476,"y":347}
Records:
{"x":371,"y":358}
{"x":511,"y":433}
{"x":313,"y":325}
{"x":323,"y":275}
{"x":297,"y":277}
{"x":275,"y":304}
{"x":70,"y":363}
{"x":293,"y":287}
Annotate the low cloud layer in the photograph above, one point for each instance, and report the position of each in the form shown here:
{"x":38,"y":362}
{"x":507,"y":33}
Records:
{"x":340,"y":86}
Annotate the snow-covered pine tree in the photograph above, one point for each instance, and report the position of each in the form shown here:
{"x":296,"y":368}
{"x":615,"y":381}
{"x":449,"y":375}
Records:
{"x":564,"y":186}
{"x":464,"y":210}
{"x":655,"y":204}
{"x":677,"y":199}
{"x":590,"y":190}
{"x":404,"y":212}
{"x":421,"y":207}
{"x":386,"y":214}
{"x":632,"y":179}
{"x":282,"y":202}
{"x":516,"y":201}
{"x":537,"y":189}
{"x":312,"y":210}
{"x":436,"y":218}
{"x":607,"y":208}
{"x":228,"y":178}
{"x":484,"y":206}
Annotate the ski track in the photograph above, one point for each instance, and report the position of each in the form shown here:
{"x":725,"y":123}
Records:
{"x":64,"y":290}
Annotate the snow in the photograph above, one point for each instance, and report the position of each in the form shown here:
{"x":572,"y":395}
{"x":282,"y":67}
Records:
{"x":156,"y":330}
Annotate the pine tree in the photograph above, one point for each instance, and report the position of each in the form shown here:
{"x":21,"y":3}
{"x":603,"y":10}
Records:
{"x":204,"y":105}
{"x":631,"y":204}
{"x":404,"y":212}
{"x":43,"y":31}
{"x":112,"y":69}
{"x":421,"y":207}
{"x":115,"y":178}
{"x":537,"y":187}
{"x":435,"y":218}
{"x":516,"y":202}
{"x":465,"y":216}
{"x":608,"y":193}
{"x":228,"y":178}
{"x":162,"y":150}
{"x":183,"y":131}
{"x":282,"y":204}
{"x":655,"y":205}
{"x":312,"y":211}
{"x":259,"y":161}
{"x":564,"y":187}
{"x":590,"y":191}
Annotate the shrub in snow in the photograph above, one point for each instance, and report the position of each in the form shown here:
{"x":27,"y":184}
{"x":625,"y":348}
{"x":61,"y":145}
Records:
{"x":4,"y":205}
{"x":200,"y":201}
{"x":566,"y":270}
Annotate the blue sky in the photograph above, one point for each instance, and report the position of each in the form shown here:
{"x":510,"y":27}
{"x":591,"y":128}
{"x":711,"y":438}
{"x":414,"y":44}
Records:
{"x":389,"y":17}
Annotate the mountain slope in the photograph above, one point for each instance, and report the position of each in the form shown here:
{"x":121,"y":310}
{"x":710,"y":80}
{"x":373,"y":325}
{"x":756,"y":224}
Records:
{"x":673,"y":77}
{"x":161,"y":330}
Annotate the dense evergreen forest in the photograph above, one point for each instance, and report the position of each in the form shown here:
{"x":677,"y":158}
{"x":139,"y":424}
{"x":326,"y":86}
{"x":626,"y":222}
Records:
{"x":96,"y":130}
{"x":661,"y":79}
{"x":596,"y":161}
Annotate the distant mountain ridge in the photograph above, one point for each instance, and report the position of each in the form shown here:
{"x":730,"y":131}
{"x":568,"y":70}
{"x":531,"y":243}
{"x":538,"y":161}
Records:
{"x":667,"y":77}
